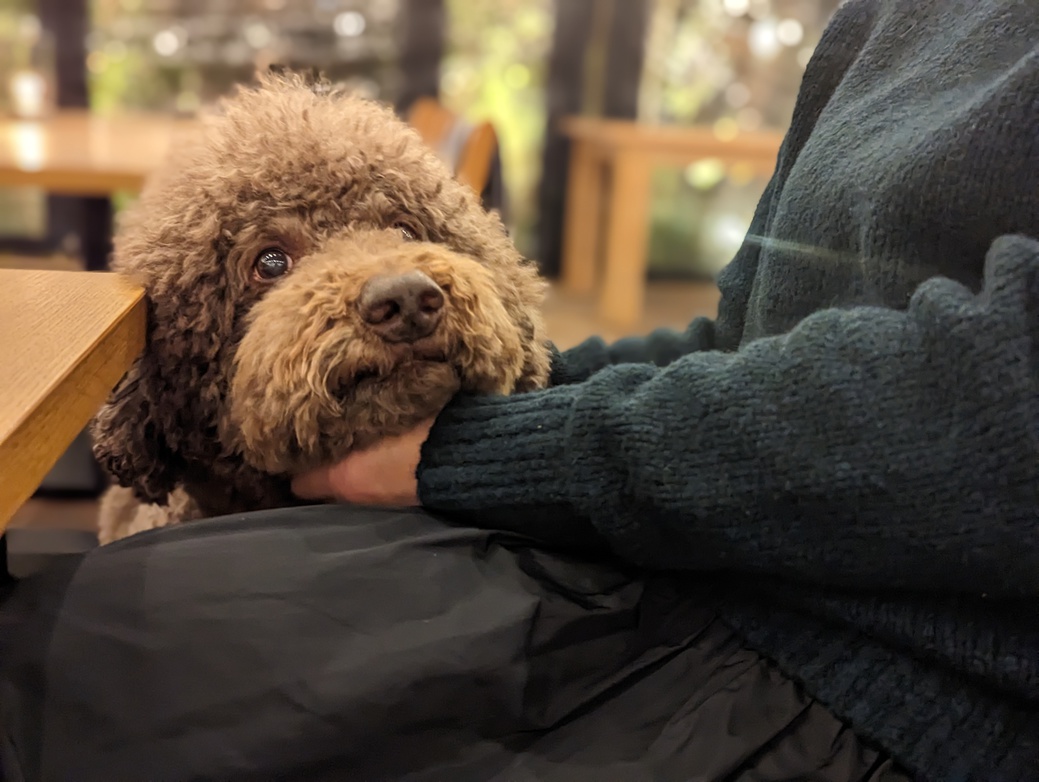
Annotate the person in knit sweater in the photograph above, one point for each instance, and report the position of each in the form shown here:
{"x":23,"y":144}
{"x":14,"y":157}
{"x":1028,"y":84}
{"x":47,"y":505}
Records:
{"x":851,"y":449}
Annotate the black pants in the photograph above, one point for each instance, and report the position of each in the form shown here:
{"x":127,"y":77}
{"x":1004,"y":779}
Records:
{"x":342,"y":644}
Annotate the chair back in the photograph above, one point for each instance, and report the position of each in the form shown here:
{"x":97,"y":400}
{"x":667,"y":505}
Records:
{"x":468,"y":149}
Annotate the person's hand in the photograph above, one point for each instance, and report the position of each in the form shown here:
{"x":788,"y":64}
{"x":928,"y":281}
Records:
{"x":383,"y":474}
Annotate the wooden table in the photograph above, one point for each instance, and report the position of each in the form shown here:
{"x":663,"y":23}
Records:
{"x":81,"y":154}
{"x":76,"y":153}
{"x":623,"y":155}
{"x":67,"y":338}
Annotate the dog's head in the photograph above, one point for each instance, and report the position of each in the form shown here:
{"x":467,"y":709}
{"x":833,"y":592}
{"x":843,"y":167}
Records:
{"x":316,"y":279}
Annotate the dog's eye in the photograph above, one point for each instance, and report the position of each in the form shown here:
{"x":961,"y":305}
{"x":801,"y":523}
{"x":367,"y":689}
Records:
{"x":407,"y":232}
{"x":271,"y":264}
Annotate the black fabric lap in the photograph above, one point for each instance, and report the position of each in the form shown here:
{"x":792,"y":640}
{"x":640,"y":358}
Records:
{"x":335,"y":643}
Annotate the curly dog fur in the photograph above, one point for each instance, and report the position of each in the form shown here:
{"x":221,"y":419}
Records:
{"x":249,"y":378}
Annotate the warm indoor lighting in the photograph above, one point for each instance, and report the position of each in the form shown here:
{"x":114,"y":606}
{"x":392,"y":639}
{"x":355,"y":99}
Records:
{"x":26,"y":140}
{"x":790,"y":32}
{"x":763,"y":41}
{"x":166,"y":43}
{"x":29,"y":94}
{"x":258,"y":35}
{"x":705,"y":174}
{"x":349,"y":24}
{"x":736,"y":7}
{"x":725,"y":234}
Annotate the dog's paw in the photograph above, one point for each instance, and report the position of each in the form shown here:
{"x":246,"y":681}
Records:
{"x":121,"y":514}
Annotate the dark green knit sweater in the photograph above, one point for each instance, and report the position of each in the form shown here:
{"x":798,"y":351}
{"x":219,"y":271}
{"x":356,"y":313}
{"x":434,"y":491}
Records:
{"x":852,"y":447}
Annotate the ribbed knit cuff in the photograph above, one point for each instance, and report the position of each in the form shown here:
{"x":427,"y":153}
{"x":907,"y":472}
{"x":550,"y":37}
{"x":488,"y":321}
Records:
{"x":578,"y":364}
{"x":497,"y":452}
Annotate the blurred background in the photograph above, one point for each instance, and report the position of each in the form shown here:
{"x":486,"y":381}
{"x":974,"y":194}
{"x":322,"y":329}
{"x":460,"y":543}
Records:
{"x":691,"y":95}
{"x":734,"y":65}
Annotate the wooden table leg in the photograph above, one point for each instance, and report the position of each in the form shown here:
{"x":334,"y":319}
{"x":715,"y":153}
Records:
{"x":581,"y":230}
{"x":627,"y":236}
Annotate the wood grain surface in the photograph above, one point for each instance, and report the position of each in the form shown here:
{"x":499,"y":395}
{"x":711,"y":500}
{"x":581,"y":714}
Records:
{"x":67,"y":338}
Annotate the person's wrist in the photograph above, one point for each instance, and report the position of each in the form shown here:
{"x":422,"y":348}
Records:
{"x":488,"y":452}
{"x":561,"y":373}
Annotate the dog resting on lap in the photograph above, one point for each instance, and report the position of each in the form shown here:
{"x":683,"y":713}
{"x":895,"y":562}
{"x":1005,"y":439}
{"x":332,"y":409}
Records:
{"x":317,"y":280}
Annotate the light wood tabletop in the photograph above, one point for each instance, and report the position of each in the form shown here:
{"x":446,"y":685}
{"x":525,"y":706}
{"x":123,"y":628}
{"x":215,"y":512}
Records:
{"x":679,"y":142}
{"x":608,"y":199}
{"x":82,"y":154}
{"x":68,"y":337}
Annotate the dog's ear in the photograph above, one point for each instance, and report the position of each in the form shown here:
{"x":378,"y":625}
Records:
{"x":129,"y":440}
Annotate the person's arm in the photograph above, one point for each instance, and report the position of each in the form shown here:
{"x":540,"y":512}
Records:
{"x":836,"y":51}
{"x":867,"y":447}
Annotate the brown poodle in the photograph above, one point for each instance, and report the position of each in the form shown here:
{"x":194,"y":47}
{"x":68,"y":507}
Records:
{"x":316,"y":280}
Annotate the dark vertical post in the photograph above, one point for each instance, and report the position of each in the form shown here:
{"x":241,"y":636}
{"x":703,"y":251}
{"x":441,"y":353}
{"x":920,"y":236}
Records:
{"x":423,"y":26}
{"x":89,"y":219}
{"x":67,"y":21}
{"x":564,"y":90}
{"x":624,"y":54}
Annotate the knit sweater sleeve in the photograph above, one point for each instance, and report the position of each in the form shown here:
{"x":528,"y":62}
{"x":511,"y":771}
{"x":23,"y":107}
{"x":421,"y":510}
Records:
{"x":867,"y":447}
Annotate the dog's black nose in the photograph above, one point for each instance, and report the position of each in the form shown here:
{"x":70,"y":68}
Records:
{"x":402,"y":308}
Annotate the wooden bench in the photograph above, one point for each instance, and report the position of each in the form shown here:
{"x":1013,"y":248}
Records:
{"x":468,"y":149}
